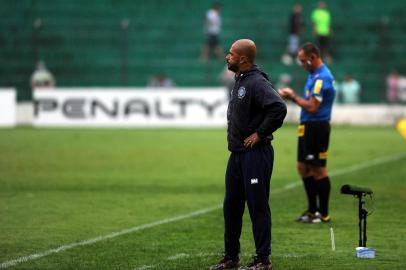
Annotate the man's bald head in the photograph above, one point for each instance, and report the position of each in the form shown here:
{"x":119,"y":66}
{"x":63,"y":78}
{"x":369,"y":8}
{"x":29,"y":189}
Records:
{"x":241,"y":56}
{"x":246,"y":47}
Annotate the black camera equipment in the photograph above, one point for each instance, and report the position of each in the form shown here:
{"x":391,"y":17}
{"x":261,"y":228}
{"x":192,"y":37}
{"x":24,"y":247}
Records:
{"x":359,"y":192}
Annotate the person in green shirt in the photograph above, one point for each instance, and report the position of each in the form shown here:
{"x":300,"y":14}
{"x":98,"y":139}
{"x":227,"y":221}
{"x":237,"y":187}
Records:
{"x":322,"y":29}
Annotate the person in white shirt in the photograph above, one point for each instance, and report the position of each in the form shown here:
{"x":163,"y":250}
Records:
{"x":212,"y":29}
{"x":42,"y":78}
{"x":160,"y":80}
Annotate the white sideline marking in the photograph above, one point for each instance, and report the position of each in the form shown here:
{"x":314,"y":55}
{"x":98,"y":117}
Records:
{"x":104,"y":237}
{"x":350,"y":169}
{"x":286,"y":187}
{"x":333,"y":242}
{"x":363,"y":165}
{"x":145,"y":267}
{"x":186,"y":255}
{"x":178,"y":256}
{"x":31,"y":257}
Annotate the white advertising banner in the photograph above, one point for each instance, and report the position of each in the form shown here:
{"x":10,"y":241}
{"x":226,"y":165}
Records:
{"x":171,"y":107}
{"x":364,"y":115}
{"x":7,"y":107}
{"x":118,"y":107}
{"x":368,"y":114}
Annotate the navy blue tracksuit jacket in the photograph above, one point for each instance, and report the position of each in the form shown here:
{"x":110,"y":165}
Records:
{"x":254,"y":106}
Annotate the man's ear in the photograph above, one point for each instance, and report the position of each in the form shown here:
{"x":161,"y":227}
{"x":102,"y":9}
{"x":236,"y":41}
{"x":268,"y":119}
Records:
{"x":313,"y":57}
{"x":243,"y":59}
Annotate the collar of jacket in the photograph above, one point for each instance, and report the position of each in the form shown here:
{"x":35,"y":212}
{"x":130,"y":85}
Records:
{"x":253,"y":70}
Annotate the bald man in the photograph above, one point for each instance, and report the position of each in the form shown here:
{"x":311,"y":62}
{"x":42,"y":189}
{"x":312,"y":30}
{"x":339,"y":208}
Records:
{"x":255,"y":111}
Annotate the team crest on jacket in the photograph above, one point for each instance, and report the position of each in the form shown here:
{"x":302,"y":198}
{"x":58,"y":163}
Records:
{"x":241,"y":92}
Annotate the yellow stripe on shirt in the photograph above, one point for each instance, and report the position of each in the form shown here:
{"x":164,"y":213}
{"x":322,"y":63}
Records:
{"x":317,"y":86}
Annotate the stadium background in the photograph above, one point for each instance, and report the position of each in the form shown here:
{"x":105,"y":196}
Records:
{"x":62,"y":188}
{"x":84,"y":43}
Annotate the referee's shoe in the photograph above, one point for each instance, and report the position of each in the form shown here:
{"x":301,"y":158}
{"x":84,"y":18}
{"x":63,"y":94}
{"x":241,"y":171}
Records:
{"x":309,"y":217}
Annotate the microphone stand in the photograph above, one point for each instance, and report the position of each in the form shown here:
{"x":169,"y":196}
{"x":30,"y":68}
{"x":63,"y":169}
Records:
{"x":362,"y":223}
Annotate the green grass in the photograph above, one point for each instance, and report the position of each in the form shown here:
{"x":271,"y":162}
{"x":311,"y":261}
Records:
{"x":62,"y":186}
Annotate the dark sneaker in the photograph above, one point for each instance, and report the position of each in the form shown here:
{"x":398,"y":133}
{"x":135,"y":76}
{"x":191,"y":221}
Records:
{"x":226,"y":263}
{"x":258,"y":264}
{"x":306,"y":217}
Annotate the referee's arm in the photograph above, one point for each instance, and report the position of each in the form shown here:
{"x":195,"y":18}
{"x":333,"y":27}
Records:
{"x":311,"y":105}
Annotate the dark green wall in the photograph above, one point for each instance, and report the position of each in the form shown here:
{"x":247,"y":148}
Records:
{"x":82,"y":42}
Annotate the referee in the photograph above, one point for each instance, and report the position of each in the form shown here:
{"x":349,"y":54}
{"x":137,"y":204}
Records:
{"x":254,"y":112}
{"x":314,"y":132}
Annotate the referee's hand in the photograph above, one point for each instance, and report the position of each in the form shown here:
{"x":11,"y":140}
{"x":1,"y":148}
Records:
{"x":251,"y":140}
{"x":286,"y":92}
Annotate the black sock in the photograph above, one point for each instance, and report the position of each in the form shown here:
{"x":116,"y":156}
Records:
{"x":311,"y":192}
{"x":323,"y":191}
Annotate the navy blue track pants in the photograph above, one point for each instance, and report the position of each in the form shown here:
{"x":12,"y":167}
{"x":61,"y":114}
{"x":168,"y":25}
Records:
{"x":248,"y":179}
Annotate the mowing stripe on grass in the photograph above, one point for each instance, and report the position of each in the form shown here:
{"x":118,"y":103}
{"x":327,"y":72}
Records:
{"x":31,"y":257}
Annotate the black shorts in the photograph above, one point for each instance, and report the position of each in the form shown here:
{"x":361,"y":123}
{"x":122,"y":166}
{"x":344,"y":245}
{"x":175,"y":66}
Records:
{"x":313,"y":143}
{"x":212,"y":41}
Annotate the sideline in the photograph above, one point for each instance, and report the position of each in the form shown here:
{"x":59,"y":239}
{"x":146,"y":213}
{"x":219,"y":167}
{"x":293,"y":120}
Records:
{"x":200,"y":212}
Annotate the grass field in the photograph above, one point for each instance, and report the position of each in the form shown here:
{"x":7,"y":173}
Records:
{"x":62,"y":187}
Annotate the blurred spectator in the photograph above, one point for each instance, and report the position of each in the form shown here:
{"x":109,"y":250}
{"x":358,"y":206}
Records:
{"x":160,"y":80}
{"x":42,"y":77}
{"x":402,"y":89}
{"x":392,"y":87}
{"x":395,"y":87}
{"x":349,"y":91}
{"x":212,"y":29}
{"x":296,"y":25}
{"x":227,"y":77}
{"x":322,"y":29}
